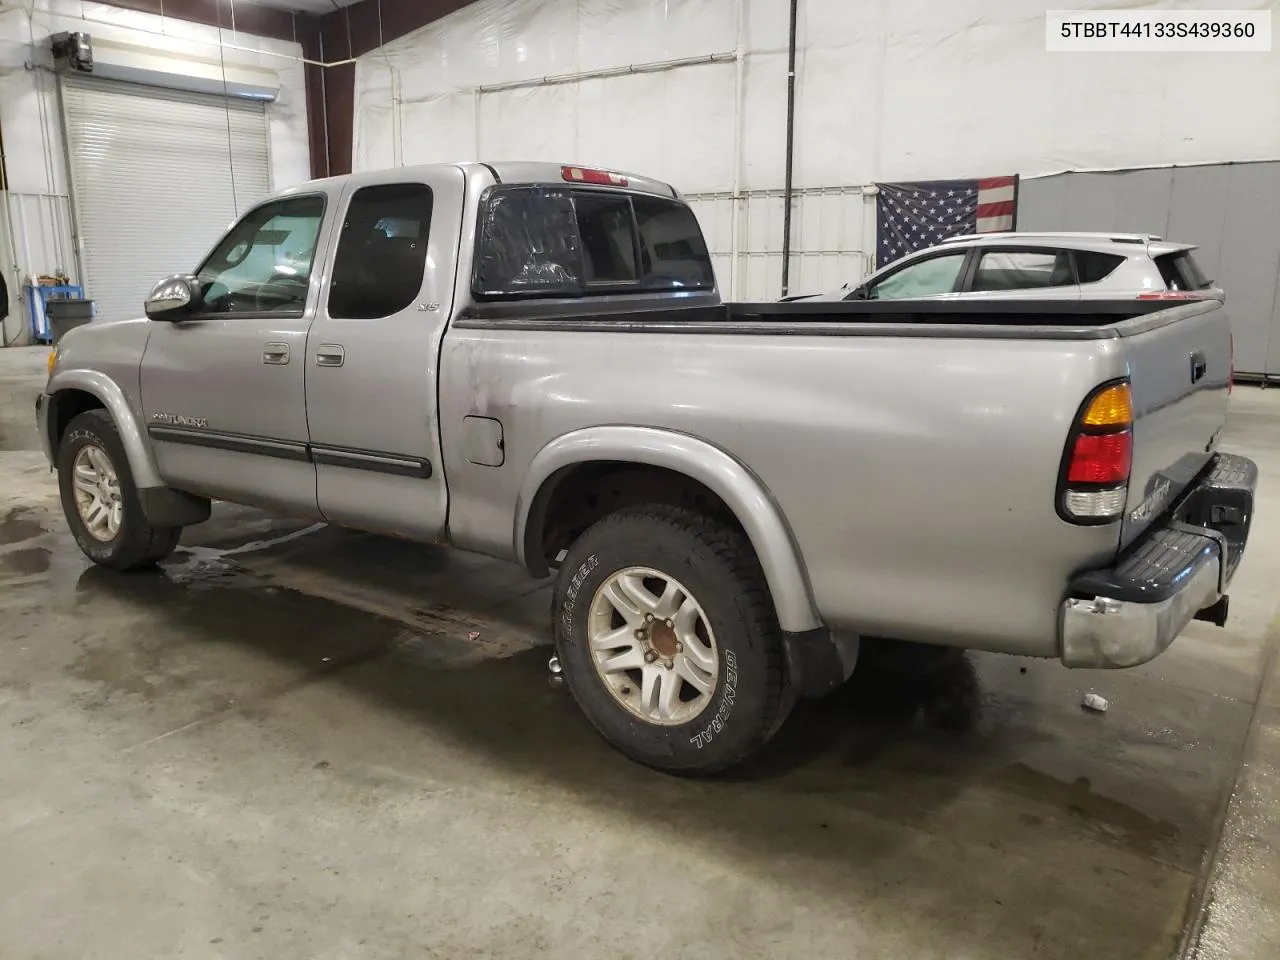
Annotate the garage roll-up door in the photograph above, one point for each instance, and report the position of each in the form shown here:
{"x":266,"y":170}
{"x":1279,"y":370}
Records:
{"x":157,"y":177}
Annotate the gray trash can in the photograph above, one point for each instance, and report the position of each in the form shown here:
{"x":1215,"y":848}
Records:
{"x":64,"y":314}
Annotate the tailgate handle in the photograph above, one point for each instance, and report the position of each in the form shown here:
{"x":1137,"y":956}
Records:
{"x":1199,"y":366}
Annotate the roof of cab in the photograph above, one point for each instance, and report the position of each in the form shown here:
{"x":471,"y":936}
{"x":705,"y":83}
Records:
{"x":511,"y":171}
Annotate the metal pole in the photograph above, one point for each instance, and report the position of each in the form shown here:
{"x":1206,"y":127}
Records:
{"x":791,"y":135}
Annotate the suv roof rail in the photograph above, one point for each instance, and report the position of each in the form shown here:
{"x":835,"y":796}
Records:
{"x":1055,"y":235}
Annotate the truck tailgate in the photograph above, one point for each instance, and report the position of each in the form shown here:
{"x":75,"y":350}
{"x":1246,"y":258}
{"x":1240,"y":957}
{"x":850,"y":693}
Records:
{"x":1180,"y":368}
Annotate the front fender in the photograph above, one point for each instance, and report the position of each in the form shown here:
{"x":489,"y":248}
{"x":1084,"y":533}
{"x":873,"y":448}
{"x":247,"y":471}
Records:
{"x":99,"y":385}
{"x":740,"y":489}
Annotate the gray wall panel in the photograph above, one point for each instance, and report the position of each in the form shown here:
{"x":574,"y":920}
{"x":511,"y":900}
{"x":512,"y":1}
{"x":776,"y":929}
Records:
{"x":1227,"y":209}
{"x":1250,"y":262}
{"x":1199,"y":212}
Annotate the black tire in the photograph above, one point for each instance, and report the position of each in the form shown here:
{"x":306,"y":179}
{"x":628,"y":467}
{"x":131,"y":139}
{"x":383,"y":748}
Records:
{"x":137,"y":544}
{"x":717,"y":565}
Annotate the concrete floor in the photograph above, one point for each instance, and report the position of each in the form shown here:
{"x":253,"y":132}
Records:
{"x":303,"y":742}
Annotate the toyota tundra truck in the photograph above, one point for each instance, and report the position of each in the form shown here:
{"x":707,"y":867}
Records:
{"x":532,"y":361}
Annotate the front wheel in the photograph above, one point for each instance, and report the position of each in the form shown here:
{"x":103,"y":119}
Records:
{"x":668,"y":640}
{"x":100,"y":500}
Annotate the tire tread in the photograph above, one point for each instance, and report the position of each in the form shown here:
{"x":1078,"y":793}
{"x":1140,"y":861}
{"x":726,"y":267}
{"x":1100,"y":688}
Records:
{"x":731,"y":549}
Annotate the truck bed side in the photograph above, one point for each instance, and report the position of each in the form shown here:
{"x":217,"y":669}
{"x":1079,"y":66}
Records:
{"x":917,"y":473}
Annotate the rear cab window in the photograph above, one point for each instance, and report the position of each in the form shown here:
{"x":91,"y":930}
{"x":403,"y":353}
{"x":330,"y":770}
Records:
{"x":1180,"y":271}
{"x":554,"y":241}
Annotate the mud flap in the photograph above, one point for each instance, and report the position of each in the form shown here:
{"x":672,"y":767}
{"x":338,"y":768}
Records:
{"x":819,"y":661}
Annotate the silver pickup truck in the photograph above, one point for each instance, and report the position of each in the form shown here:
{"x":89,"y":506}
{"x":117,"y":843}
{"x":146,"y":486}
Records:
{"x":532,"y":361}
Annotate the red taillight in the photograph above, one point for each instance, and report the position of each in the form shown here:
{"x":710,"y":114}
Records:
{"x":1172,"y":295}
{"x":1101,"y":458}
{"x":598,"y":177}
{"x":1098,"y":457}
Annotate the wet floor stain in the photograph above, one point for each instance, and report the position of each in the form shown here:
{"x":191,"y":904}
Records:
{"x":906,"y":736}
{"x":20,"y":524}
{"x":25,"y":562}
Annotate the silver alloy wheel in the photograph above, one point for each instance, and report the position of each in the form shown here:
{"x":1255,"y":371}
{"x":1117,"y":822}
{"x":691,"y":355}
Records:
{"x":97,"y":493}
{"x":653,"y":646}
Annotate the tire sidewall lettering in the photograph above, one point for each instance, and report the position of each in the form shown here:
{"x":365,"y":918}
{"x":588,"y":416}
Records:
{"x":74,"y":441}
{"x":729,"y":695}
{"x":571,"y":591}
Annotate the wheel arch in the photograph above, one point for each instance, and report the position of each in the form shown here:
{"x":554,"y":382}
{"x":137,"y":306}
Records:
{"x":741,"y":492}
{"x":72,"y":392}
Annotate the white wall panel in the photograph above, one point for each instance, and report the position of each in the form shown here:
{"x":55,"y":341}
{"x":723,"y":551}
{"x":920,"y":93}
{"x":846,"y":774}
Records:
{"x":886,"y":90}
{"x":614,"y":32}
{"x":440,"y":128}
{"x":682,"y":138}
{"x":833,"y":230}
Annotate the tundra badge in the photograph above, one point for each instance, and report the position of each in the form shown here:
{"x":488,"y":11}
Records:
{"x":174,"y":420}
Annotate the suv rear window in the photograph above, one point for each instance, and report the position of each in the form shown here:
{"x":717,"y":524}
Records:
{"x":562,"y":242}
{"x":1181,"y":272}
{"x":1092,"y":266}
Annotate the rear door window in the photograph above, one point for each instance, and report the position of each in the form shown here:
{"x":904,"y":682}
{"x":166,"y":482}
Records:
{"x":382,"y":251}
{"x":924,"y":278}
{"x":1000,"y":270}
{"x":1181,"y":272}
{"x":558,"y":242}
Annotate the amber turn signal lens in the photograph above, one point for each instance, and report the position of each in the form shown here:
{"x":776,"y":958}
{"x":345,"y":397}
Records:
{"x":1113,"y":407}
{"x":53,"y":358}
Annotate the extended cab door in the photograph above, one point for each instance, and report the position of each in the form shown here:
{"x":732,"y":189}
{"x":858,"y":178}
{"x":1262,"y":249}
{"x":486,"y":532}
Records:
{"x":373,"y":352}
{"x":222,"y":387}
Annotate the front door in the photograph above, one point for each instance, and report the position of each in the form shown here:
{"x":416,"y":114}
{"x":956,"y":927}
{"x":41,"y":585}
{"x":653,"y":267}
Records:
{"x":223,"y":387}
{"x":373,"y":353}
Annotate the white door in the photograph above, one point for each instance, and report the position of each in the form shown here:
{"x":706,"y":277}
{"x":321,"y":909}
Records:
{"x":157,"y":176}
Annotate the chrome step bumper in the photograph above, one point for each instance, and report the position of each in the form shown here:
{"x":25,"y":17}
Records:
{"x":1128,"y":614}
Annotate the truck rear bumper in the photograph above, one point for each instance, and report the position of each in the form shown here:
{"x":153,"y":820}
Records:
{"x":1129,"y":613}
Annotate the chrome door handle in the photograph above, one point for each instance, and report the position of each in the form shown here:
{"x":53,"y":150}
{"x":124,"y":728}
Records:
{"x":330,"y":355}
{"x":276,"y":353}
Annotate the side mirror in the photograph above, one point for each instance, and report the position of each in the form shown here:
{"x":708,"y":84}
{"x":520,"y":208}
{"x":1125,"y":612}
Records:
{"x":171,"y":299}
{"x":859,"y":293}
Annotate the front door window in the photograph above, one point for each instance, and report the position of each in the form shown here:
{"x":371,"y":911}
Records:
{"x":263,"y":265}
{"x":925,"y":278}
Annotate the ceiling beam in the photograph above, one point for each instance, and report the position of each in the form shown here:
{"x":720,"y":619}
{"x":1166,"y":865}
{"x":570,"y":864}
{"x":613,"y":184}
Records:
{"x":244,"y":17}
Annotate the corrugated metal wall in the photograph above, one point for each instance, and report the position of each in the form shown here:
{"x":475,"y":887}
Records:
{"x":1228,"y":209}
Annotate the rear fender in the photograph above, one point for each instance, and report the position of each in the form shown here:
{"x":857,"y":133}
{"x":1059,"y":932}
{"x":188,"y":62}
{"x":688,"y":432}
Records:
{"x":741,"y":490}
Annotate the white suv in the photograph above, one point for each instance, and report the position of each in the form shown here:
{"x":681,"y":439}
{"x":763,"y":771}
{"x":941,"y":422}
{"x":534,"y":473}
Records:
{"x":1050,"y":266}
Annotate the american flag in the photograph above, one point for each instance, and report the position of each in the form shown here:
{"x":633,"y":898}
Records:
{"x":913,"y":216}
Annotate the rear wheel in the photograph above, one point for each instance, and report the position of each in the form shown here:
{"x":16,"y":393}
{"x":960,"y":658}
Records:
{"x":100,"y":500}
{"x":668,"y":641}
